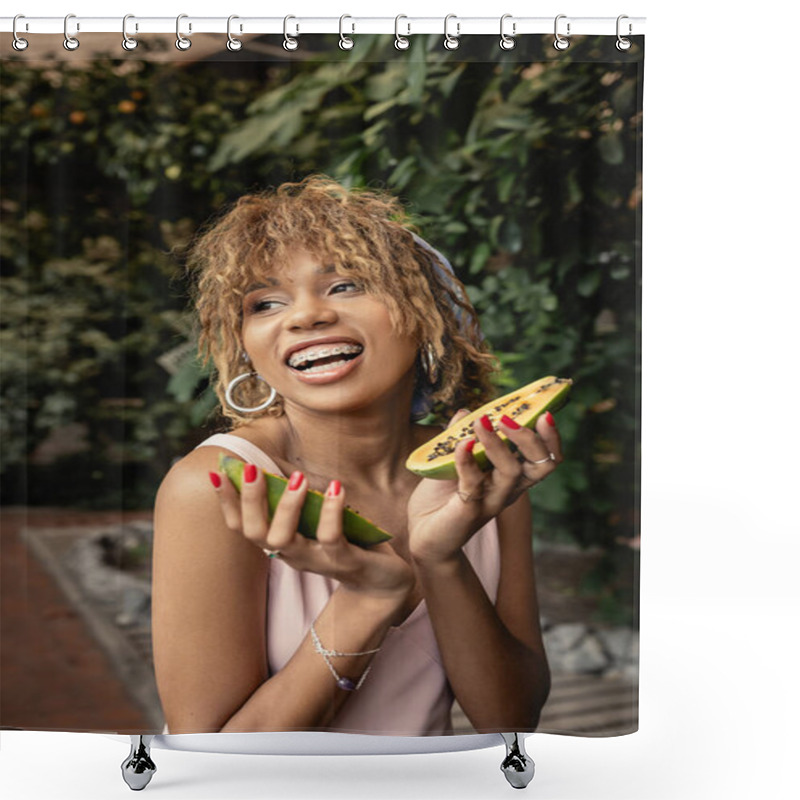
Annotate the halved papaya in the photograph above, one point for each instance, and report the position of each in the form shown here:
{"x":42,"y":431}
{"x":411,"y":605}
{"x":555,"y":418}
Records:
{"x":436,"y":459}
{"x":357,"y":529}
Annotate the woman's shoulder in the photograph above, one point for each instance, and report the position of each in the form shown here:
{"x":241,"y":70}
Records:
{"x":204,"y":458}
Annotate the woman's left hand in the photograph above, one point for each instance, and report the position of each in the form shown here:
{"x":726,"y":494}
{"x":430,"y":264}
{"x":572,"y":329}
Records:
{"x":443,"y":515}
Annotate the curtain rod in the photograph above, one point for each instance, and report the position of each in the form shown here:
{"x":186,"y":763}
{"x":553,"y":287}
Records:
{"x":403,"y":25}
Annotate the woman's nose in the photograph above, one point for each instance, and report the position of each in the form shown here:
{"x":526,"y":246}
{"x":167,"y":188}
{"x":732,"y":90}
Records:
{"x":309,"y":311}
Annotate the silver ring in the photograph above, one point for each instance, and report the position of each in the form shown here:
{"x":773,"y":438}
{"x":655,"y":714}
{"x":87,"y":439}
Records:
{"x":18,"y":43}
{"x":70,"y":42}
{"x":345,"y":42}
{"x":289,"y":42}
{"x":622,"y":42}
{"x":272,"y":553}
{"x":507,"y":42}
{"x":400,"y":42}
{"x":451,"y":42}
{"x":550,"y":457}
{"x":127,"y":42}
{"x":560,"y":42}
{"x":233,"y":44}
{"x":235,"y":382}
{"x":182,"y":43}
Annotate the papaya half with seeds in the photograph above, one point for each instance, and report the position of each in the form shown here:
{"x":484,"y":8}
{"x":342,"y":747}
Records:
{"x":357,"y":529}
{"x":436,"y":458}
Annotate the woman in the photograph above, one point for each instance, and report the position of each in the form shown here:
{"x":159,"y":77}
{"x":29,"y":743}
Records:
{"x":332,"y":328}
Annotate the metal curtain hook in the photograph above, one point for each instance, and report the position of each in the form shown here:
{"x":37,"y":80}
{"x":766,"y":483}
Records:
{"x":622,"y":42}
{"x":233,"y":44}
{"x":507,"y":42}
{"x":289,"y":43}
{"x":182,"y":43}
{"x":400,"y":42}
{"x":451,"y":42}
{"x":70,"y":42}
{"x":561,"y":42}
{"x":345,"y":42}
{"x":18,"y":43}
{"x":127,"y":42}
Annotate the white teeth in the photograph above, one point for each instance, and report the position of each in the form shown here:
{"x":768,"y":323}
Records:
{"x":322,"y":351}
{"x":324,"y":367}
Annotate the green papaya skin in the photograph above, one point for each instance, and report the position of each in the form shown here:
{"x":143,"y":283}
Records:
{"x":357,"y":529}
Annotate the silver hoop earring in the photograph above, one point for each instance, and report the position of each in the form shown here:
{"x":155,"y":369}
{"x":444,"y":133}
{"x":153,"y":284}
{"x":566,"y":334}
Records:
{"x":428,"y":358}
{"x":235,"y":382}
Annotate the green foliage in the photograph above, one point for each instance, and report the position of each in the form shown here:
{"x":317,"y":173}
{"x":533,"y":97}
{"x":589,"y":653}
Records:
{"x":522,"y":167}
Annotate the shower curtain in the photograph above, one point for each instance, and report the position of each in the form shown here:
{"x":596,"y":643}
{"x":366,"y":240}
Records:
{"x":521,"y":166}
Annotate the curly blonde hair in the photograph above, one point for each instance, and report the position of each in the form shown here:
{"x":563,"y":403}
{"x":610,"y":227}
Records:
{"x":362,"y":232}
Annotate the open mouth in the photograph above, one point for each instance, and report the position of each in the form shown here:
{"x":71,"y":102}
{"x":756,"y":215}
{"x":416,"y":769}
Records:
{"x":325,"y":358}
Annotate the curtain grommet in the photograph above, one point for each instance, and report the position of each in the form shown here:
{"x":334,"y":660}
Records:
{"x":507,"y":41}
{"x":128,"y":43}
{"x":623,"y":44}
{"x":290,"y":43}
{"x":233,"y":44}
{"x":451,"y":42}
{"x":401,"y":42}
{"x":70,"y":42}
{"x":345,"y":42}
{"x":181,"y":42}
{"x":560,"y":42}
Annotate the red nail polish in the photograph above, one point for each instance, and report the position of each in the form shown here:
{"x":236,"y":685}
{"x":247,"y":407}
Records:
{"x":486,"y":422}
{"x":295,"y":481}
{"x":471,"y":445}
{"x":334,"y":487}
{"x":215,"y":479}
{"x":550,"y":420}
{"x":510,"y":423}
{"x":250,"y":473}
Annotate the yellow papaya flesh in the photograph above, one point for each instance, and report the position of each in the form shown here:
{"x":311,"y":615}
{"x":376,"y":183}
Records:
{"x":436,"y":458}
{"x":357,"y":529}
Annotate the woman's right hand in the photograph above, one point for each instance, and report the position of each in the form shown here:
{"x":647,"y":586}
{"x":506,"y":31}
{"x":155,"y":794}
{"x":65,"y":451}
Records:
{"x":377,"y":571}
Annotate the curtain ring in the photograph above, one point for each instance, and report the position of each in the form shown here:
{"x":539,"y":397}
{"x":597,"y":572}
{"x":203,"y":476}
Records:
{"x":233,"y":44}
{"x":18,"y":43}
{"x":127,"y":42}
{"x":451,"y":42}
{"x":289,"y":43}
{"x":400,"y":42}
{"x":182,"y":43}
{"x":345,"y":42}
{"x":70,"y":42}
{"x":507,"y":42}
{"x":622,"y":42}
{"x":561,"y":42}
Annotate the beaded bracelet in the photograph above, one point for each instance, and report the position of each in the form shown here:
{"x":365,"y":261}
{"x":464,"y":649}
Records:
{"x":343,"y":683}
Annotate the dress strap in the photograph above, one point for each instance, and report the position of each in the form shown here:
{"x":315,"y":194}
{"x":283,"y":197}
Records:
{"x":244,"y":449}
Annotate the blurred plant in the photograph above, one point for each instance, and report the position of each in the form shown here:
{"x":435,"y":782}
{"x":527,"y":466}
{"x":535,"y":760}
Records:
{"x":522,"y":167}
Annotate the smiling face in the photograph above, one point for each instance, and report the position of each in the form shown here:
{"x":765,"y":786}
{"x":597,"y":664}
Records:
{"x":323,"y":340}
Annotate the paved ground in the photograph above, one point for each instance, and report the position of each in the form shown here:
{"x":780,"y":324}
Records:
{"x":57,"y":672}
{"x":45,"y":643}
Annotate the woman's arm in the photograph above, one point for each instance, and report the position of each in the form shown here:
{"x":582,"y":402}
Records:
{"x":493,"y":655}
{"x":209,"y":615}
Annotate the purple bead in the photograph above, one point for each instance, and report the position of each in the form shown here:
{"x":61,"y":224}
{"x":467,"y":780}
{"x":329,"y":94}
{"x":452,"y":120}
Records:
{"x":346,"y":684}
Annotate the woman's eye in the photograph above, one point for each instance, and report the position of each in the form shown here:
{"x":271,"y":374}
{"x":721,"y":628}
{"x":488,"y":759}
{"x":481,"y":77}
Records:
{"x":257,"y":306}
{"x":346,"y":284}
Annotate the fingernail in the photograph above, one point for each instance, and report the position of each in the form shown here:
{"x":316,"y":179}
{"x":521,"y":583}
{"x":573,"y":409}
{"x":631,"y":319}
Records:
{"x":215,"y":479}
{"x":471,"y":445}
{"x":250,"y":473}
{"x":295,"y":481}
{"x":486,"y":422}
{"x":510,"y":423}
{"x":334,"y":487}
{"x":550,"y":420}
